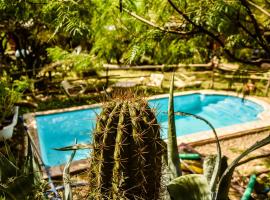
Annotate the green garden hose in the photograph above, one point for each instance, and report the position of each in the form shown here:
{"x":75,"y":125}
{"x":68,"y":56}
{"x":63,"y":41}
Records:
{"x":249,"y":188}
{"x":190,"y":156}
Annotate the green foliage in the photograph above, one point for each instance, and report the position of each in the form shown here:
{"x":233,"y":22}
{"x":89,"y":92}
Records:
{"x":9,"y":95}
{"x":78,"y":62}
{"x":112,"y":32}
{"x":166,"y":48}
{"x":127,"y":150}
{"x":112,"y":36}
{"x":57,"y":54}
{"x":203,"y":28}
{"x":12,"y":10}
{"x":71,"y":17}
{"x":14,"y":179}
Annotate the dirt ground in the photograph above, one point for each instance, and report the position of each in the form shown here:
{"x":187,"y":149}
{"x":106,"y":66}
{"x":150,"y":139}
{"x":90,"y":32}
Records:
{"x":233,"y":148}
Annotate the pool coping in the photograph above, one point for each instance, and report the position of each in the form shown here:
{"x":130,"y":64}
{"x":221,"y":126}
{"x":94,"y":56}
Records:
{"x":197,"y":138}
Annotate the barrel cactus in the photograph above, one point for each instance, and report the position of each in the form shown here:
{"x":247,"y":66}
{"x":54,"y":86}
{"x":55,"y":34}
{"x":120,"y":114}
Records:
{"x":127,"y":151}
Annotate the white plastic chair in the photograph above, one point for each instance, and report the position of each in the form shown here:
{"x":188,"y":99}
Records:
{"x":72,"y":90}
{"x":156,"y":80}
{"x":179,"y":83}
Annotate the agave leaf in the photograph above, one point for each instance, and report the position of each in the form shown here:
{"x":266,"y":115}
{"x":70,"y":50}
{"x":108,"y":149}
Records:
{"x":9,"y":153}
{"x":28,"y":167}
{"x":6,"y":194}
{"x":75,"y":147}
{"x":66,"y":177}
{"x":173,"y":159}
{"x":18,"y":183}
{"x":20,"y":187}
{"x":217,"y":167}
{"x":191,"y":187}
{"x":7,"y":168}
{"x":225,"y":181}
{"x":209,"y":163}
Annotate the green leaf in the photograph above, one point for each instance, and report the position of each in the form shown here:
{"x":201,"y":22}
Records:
{"x":216,"y":170}
{"x":66,"y":177}
{"x":189,"y":187}
{"x":7,"y":168}
{"x":75,"y":147}
{"x":173,"y":159}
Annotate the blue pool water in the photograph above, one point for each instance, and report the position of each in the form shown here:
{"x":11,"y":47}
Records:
{"x":61,"y":129}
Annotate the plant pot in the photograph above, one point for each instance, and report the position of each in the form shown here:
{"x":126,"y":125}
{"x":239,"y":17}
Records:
{"x":7,"y":131}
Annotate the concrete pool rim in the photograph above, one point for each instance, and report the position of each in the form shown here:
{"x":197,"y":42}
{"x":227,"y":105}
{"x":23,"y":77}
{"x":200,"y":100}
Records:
{"x":263,"y":123}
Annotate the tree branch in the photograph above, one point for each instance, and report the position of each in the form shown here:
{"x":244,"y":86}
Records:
{"x":157,"y":26}
{"x":263,"y":43}
{"x":259,"y":8}
{"x":212,"y":35}
{"x":238,"y":22}
{"x":254,"y":36}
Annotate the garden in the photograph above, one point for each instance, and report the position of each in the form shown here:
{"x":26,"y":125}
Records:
{"x":134,"y":99}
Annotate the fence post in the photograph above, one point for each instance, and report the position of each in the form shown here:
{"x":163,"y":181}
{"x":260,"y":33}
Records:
{"x":107,"y":77}
{"x":267,"y":87}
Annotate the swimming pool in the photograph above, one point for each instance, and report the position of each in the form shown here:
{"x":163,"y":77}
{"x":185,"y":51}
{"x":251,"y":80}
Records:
{"x":219,"y":110}
{"x":60,"y":129}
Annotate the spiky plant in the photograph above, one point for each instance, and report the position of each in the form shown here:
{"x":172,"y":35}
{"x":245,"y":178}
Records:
{"x":215,"y":183}
{"x":127,"y":150}
{"x":173,"y":159}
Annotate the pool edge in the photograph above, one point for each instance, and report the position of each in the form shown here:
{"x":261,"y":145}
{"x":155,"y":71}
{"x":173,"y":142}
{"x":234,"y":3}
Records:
{"x":194,"y":139}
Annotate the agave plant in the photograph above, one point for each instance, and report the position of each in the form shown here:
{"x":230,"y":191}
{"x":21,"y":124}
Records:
{"x":8,"y":97}
{"x":215,"y":183}
{"x":172,"y":150}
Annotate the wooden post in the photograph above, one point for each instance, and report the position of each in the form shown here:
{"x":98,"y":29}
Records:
{"x":107,"y":77}
{"x":212,"y":78}
{"x":50,"y":75}
{"x":267,"y":87}
{"x":215,"y":63}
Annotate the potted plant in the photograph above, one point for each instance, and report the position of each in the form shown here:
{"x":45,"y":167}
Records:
{"x":9,"y":95}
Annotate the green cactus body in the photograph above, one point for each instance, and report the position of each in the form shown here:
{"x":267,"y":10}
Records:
{"x":127,"y":151}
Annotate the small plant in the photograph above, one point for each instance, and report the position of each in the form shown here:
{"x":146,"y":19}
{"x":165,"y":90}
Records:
{"x":16,"y":182}
{"x":127,"y":150}
{"x":9,"y":95}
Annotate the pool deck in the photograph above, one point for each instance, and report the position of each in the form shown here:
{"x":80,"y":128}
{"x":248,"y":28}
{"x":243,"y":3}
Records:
{"x":199,"y":138}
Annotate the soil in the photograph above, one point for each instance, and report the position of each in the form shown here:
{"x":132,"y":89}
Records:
{"x":261,"y":167}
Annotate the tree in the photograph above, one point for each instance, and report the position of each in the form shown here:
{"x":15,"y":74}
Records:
{"x":20,"y":26}
{"x":235,"y":28}
{"x":28,"y":28}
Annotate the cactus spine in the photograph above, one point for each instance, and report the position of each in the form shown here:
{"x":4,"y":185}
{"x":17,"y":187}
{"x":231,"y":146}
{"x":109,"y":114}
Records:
{"x":127,"y":151}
